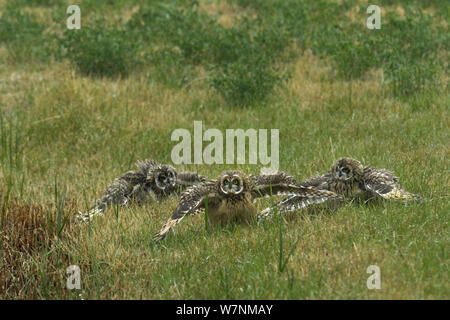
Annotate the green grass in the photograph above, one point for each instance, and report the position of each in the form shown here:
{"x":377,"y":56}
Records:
{"x":71,"y":123}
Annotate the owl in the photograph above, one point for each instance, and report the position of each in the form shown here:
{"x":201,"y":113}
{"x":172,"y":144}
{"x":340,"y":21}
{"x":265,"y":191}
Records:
{"x":151,"y":181}
{"x":349,"y":178}
{"x":231,"y":197}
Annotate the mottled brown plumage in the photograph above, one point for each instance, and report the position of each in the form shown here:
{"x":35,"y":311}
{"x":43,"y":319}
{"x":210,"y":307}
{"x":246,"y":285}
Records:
{"x":349,"y":178}
{"x":150,"y":182}
{"x":230,"y":198}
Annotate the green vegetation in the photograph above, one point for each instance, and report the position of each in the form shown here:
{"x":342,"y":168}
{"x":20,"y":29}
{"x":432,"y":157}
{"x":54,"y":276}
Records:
{"x":79,"y":107}
{"x":239,"y":59}
{"x":99,"y":51}
{"x":23,"y":37}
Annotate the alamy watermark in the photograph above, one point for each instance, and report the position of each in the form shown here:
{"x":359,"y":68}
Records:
{"x":74,"y":21}
{"x":213,"y":153}
{"x":374,"y":21}
{"x":73,"y":277}
{"x":374,"y":281}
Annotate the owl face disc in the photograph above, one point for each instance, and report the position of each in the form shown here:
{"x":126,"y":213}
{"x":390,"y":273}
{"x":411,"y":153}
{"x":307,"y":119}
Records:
{"x":343,"y":173}
{"x":346,"y":169}
{"x":165,"y":177}
{"x":231,"y":184}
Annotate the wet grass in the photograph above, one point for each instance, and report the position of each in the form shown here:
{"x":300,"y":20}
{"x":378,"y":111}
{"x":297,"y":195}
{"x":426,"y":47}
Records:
{"x":67,"y":131}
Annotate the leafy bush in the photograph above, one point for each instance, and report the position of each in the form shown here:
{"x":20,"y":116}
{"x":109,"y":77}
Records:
{"x":169,"y":67}
{"x":23,"y":37}
{"x":177,"y":37}
{"x":405,"y":48}
{"x":246,"y":81}
{"x":240,"y":58}
{"x":410,"y":55}
{"x":42,"y":2}
{"x":99,"y":51}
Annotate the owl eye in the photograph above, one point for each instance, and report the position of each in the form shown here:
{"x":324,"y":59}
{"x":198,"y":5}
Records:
{"x":226,"y":181}
{"x":346,"y":170}
{"x":235,"y":182}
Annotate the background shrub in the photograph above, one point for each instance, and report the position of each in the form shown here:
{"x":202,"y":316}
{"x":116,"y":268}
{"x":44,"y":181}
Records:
{"x":240,"y":59}
{"x":23,"y":37}
{"x":246,"y":81}
{"x":99,"y":51}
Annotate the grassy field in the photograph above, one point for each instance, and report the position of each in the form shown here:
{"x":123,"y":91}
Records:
{"x":79,"y":107}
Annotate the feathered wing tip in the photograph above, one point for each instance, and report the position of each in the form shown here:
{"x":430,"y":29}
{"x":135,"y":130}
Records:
{"x":295,"y":205}
{"x":190,"y":179}
{"x":192,"y":202}
{"x":401,"y":194}
{"x":414,"y":197}
{"x":161,"y":234}
{"x":92,"y":213}
{"x":391,"y":191}
{"x":298,"y":202}
{"x":146,"y":164}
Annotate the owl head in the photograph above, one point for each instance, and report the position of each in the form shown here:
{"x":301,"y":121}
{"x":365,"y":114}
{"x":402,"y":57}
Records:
{"x":232,"y":183}
{"x":347,"y":169}
{"x":163,"y":176}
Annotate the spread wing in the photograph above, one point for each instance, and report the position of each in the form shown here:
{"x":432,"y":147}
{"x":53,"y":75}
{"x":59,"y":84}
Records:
{"x":300,"y":194}
{"x":119,"y":191}
{"x":184,"y":181}
{"x":295,"y":202}
{"x":383,"y":183}
{"x":145,"y":165}
{"x":281,"y":183}
{"x":187,"y":179}
{"x":192,"y":201}
{"x":318,"y":182}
